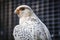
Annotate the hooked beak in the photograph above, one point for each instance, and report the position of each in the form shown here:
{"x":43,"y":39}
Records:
{"x":15,"y":11}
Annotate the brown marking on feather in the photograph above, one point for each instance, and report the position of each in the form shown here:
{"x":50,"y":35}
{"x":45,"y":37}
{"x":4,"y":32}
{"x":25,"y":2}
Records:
{"x":22,"y":8}
{"x":19,"y":10}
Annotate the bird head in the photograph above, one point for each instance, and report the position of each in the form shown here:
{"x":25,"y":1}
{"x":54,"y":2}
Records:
{"x":23,"y":11}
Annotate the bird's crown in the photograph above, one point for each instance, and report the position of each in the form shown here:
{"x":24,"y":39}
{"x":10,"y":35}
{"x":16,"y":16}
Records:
{"x":19,"y":7}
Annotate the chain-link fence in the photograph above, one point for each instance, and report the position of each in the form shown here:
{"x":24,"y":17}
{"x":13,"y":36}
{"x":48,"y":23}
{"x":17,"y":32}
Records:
{"x":47,"y":10}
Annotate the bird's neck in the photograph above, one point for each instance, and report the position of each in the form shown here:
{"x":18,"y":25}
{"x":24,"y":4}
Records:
{"x":23,"y":19}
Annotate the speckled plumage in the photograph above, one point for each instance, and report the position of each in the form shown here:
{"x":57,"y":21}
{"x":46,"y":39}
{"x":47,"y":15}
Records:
{"x":31,"y":29}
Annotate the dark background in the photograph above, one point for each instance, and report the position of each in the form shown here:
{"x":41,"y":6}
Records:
{"x":47,"y":10}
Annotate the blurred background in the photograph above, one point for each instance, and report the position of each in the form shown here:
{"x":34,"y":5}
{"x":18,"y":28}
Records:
{"x":47,"y":10}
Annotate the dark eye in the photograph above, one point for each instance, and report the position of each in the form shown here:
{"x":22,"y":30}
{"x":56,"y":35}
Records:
{"x":22,"y":8}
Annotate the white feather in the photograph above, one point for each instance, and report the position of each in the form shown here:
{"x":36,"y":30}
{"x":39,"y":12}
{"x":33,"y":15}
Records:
{"x":31,"y":28}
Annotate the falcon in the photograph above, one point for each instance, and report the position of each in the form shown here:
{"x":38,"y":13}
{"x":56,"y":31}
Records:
{"x":30,"y":27}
